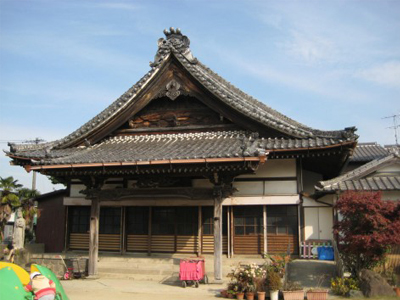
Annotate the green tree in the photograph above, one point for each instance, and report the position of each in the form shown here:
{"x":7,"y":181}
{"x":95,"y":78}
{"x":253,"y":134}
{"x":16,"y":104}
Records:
{"x":13,"y":196}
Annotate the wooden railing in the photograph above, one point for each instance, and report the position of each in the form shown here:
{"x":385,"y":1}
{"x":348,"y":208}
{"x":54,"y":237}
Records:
{"x":306,"y":248}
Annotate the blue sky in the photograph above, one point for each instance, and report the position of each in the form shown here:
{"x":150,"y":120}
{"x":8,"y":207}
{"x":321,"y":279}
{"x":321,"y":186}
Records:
{"x":327,"y":64}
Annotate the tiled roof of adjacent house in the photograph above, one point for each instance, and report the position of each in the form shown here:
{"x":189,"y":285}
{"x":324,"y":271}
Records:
{"x":366,"y":152}
{"x":364,"y":179}
{"x":154,"y":147}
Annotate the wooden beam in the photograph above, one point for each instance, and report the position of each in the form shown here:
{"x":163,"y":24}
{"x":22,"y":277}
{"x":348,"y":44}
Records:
{"x":94,"y":237}
{"x":218,"y":238}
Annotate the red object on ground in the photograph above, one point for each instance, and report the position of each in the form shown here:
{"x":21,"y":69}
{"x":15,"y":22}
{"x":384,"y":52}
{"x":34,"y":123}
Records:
{"x":191,"y":269}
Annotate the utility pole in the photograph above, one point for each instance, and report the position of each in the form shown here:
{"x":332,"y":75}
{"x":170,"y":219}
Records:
{"x":35,"y":141}
{"x":395,"y":126}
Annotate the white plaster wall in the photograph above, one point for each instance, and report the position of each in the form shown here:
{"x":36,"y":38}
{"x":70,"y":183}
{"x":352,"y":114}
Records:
{"x":394,"y":196}
{"x":275,"y":168}
{"x":307,"y":202}
{"x":249,"y":188}
{"x":74,"y":190}
{"x":395,"y":168}
{"x":287,"y":187}
{"x":310,"y":179}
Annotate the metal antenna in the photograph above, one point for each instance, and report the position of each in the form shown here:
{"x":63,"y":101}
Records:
{"x":395,"y":125}
{"x":35,"y":141}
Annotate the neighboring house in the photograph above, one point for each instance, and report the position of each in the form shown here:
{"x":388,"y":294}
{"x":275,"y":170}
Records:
{"x":51,"y":226}
{"x":370,"y":168}
{"x":184,"y":162}
{"x":381,"y":174}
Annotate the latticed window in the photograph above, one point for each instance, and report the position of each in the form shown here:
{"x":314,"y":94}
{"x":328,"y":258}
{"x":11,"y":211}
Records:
{"x":110,"y":220}
{"x":186,"y":218}
{"x":137,"y":220}
{"x":248,"y":220}
{"x":163,"y":220}
{"x":208,"y":220}
{"x":282,"y":220}
{"x":80,"y":219}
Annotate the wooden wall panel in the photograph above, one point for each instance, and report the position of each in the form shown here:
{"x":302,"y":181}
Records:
{"x":79,"y":241}
{"x":162,"y":243}
{"x":186,"y":244}
{"x":248,"y":244}
{"x":109,"y":242}
{"x":137,"y":243}
{"x":208,"y":244}
{"x":280,"y":243}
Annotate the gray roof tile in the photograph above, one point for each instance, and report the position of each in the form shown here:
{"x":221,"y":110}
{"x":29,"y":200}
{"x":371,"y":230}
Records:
{"x":366,"y":152}
{"x":170,"y":146}
{"x":365,"y":178}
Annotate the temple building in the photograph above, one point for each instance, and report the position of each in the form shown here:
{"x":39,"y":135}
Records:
{"x":185,"y":162}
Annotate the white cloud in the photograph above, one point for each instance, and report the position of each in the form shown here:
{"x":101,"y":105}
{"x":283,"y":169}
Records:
{"x":310,"y":48}
{"x":387,"y":74}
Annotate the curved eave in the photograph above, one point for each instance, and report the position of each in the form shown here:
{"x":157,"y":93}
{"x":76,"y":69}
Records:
{"x":260,"y":159}
{"x":254,"y":109}
{"x":94,"y":129}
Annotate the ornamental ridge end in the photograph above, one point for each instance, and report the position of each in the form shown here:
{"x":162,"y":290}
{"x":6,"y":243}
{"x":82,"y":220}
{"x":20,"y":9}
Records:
{"x":175,"y":42}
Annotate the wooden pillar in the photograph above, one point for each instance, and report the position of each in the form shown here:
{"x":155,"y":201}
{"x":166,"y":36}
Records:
{"x":199,"y":235}
{"x":149,"y":233}
{"x":218,"y":237}
{"x":94,"y":237}
{"x":229,"y":231}
{"x":232,"y":231}
{"x":265,"y":232}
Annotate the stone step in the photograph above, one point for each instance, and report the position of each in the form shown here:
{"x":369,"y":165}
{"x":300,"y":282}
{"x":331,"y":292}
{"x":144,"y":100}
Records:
{"x":161,"y":268}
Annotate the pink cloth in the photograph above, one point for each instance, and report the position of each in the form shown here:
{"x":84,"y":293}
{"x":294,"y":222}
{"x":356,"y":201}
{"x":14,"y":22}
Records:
{"x":190,"y":270}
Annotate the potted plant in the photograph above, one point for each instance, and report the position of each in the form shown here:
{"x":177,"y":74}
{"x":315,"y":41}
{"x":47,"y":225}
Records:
{"x":251,"y":289}
{"x":260,"y":287}
{"x":293,"y":291}
{"x":231,"y":294}
{"x":274,"y":284}
{"x":318,"y":293}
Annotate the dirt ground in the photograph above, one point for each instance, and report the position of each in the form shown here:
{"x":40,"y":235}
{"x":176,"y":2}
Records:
{"x":98,"y":289}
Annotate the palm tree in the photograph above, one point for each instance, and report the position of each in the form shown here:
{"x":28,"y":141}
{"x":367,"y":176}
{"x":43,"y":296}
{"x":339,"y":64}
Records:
{"x":9,"y":184}
{"x":13,"y":196}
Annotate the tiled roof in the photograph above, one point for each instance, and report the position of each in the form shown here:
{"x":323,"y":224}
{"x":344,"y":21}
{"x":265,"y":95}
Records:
{"x":177,"y":45}
{"x":223,"y":144}
{"x":364,"y":179}
{"x":366,"y":152}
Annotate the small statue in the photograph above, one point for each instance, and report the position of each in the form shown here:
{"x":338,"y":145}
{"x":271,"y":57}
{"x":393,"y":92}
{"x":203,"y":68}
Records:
{"x":19,"y":231}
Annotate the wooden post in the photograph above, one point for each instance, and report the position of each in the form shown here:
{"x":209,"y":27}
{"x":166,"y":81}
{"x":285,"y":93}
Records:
{"x":232,"y":232}
{"x":94,"y":237}
{"x":199,"y":236}
{"x":218,"y":237}
{"x":149,"y":233}
{"x":229,"y":231}
{"x":265,"y":232}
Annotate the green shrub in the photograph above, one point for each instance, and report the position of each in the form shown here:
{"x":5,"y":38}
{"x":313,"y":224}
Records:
{"x":342,"y":286}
